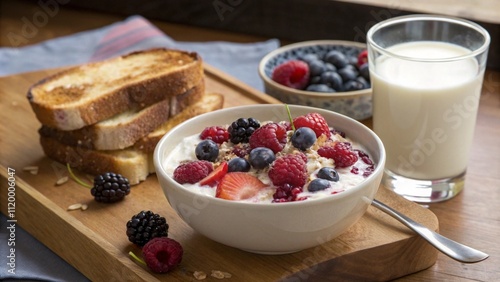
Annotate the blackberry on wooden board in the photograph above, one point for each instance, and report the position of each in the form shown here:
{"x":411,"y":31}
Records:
{"x":146,"y":225}
{"x":110,"y":187}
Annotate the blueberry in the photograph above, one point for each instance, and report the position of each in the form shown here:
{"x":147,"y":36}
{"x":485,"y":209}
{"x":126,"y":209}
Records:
{"x":364,"y":71}
{"x":328,"y":173}
{"x":308,"y":58}
{"x":318,"y":184}
{"x":320,"y":88}
{"x":207,"y":150}
{"x":353,"y":60}
{"x":315,"y":79}
{"x":332,"y":79}
{"x":316,"y":68}
{"x":336,"y":58}
{"x":348,"y":73}
{"x":303,"y":138}
{"x":351,"y":66}
{"x":353,"y":85}
{"x":238,"y":164}
{"x":366,"y":84}
{"x":350,"y":50}
{"x":330,"y":67}
{"x":261,"y":157}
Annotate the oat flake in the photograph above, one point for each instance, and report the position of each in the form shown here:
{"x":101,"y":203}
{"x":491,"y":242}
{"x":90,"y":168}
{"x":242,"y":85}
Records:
{"x":217,"y":274}
{"x":199,"y":275}
{"x":32,"y":169}
{"x":62,"y":180}
{"x":75,"y":207}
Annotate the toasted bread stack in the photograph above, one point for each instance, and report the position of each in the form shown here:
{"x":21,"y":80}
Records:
{"x":108,"y":116}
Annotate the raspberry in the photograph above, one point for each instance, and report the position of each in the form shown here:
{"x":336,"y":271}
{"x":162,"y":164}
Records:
{"x":270,"y":135}
{"x":145,"y":226}
{"x":290,"y":169}
{"x":286,"y":193}
{"x":162,"y":254}
{"x":192,"y":172}
{"x":241,"y":129}
{"x":218,"y":134}
{"x":366,"y":159}
{"x":110,"y":187}
{"x":287,"y":125}
{"x":341,"y":133}
{"x":341,"y":153}
{"x":362,"y":58}
{"x":294,"y":74}
{"x":314,"y":121}
{"x":241,"y":150}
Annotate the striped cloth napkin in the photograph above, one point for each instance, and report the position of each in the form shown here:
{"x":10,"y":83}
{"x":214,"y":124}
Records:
{"x":34,"y":261}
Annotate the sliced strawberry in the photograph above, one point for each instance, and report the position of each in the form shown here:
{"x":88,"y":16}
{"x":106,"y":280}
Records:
{"x":238,"y":186}
{"x":215,"y":176}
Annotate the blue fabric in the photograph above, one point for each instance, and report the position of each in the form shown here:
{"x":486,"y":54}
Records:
{"x":34,"y":261}
{"x":241,"y":60}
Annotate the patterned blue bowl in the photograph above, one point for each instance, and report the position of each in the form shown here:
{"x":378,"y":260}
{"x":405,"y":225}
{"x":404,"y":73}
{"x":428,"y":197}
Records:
{"x":355,"y":104}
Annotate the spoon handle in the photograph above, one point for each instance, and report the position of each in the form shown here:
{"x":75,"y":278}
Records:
{"x":449,"y":247}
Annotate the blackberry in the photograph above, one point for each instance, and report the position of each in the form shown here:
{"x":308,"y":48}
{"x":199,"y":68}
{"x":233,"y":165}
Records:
{"x":110,"y":187}
{"x":144,"y":226}
{"x":241,"y":129}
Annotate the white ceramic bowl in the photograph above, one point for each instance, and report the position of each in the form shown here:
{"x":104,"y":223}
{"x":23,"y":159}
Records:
{"x":355,"y":104}
{"x":270,"y":228}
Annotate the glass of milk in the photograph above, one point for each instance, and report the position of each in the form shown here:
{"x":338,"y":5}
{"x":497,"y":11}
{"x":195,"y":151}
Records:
{"x":426,"y":73}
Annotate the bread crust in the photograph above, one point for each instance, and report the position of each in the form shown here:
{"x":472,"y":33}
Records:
{"x":57,"y":113}
{"x":122,"y":134}
{"x":209,"y":102}
{"x":131,"y":164}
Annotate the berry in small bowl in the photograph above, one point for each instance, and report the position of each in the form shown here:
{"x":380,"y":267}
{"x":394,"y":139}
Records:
{"x":326,"y":74}
{"x":222,"y":206}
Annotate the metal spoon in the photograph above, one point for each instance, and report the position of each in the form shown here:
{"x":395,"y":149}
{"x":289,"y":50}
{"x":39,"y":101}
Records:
{"x":448,"y":247}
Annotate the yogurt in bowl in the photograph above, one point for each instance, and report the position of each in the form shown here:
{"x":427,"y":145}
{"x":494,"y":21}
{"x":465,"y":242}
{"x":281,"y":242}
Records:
{"x":321,"y":173}
{"x":263,"y":223}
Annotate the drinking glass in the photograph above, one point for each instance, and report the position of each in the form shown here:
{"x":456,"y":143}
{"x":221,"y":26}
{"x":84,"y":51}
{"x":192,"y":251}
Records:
{"x":426,"y":73}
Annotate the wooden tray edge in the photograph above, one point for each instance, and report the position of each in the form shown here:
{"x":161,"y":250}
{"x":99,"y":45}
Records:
{"x":83,"y":239}
{"x":238,"y":85}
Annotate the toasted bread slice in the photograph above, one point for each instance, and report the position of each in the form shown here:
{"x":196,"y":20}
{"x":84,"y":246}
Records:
{"x":93,"y":92}
{"x":134,"y":162}
{"x":124,"y":129}
{"x":130,"y":163}
{"x":209,"y":102}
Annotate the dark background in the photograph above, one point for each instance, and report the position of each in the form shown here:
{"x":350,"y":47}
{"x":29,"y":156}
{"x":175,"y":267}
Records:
{"x":289,"y":20}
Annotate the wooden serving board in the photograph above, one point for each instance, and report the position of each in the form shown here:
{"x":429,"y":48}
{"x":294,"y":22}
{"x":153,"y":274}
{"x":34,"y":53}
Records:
{"x":94,"y":240}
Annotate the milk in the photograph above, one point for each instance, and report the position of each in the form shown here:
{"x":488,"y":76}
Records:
{"x":425,"y":112}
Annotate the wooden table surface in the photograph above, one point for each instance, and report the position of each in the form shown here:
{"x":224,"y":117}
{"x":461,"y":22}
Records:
{"x":473,"y":217}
